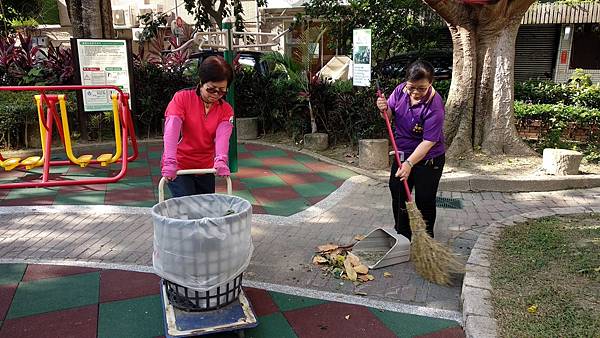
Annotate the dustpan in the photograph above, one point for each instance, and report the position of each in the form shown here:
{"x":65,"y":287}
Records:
{"x":382,"y":248}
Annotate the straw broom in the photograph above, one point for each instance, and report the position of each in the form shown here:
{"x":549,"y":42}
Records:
{"x":432,"y":260}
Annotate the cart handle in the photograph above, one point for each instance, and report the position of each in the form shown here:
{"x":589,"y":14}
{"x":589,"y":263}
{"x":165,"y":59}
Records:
{"x":161,"y":183}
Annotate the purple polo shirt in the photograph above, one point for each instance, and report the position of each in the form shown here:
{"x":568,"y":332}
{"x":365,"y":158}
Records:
{"x":422,"y":121}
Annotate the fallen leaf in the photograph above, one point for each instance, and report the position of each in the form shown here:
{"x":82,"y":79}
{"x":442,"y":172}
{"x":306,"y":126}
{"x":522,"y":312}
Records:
{"x":363,"y":278}
{"x":360,"y":293}
{"x":337,"y":272}
{"x":354,"y":260}
{"x":350,"y":270}
{"x":532,"y":309}
{"x":362,"y":269}
{"x":370,"y":277}
{"x":387,"y":274}
{"x":327,"y":247}
{"x":597,"y":269}
{"x":359,"y":237}
{"x":318,"y":259}
{"x":347,"y":317}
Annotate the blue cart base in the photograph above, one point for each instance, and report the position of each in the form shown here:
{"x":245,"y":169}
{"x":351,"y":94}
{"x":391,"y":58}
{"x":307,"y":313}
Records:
{"x":236,"y":316}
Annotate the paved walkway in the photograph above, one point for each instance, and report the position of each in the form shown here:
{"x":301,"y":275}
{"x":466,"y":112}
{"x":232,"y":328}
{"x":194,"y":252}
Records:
{"x":283,"y":245}
{"x":59,"y":301}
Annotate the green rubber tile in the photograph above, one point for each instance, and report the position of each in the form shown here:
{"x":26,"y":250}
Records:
{"x":314,"y":189}
{"x":54,"y":294}
{"x":305,"y":158}
{"x":290,"y":169}
{"x":59,"y":169}
{"x":30,"y":193}
{"x":273,"y":325}
{"x":81,"y":198}
{"x":245,"y":194}
{"x":11,"y":273}
{"x":155,"y":171}
{"x":155,"y":154}
{"x":138,"y":163}
{"x":129,"y":183}
{"x":407,"y":325}
{"x":287,"y":302}
{"x":286,"y":207}
{"x":338,"y":174}
{"x":262,"y":182}
{"x":241,"y":148}
{"x":250,"y":162}
{"x":270,"y":153}
{"x":137,"y":317}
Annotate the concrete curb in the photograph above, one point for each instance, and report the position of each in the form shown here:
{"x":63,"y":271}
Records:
{"x":478,"y":312}
{"x":469,"y":182}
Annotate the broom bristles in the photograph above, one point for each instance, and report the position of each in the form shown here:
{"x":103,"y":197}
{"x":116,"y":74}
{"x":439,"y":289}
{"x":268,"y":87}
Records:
{"x":433,"y":261}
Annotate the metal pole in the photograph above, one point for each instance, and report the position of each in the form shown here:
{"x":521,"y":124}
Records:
{"x":229,"y":55}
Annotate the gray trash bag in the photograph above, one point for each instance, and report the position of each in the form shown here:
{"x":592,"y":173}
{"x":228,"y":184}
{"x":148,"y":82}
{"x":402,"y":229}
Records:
{"x":202,"y":241}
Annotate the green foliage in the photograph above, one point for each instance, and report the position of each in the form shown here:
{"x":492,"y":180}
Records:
{"x":208,"y":11}
{"x":155,"y":88}
{"x":399,"y":25}
{"x":14,"y":11}
{"x":151,"y":23}
{"x":16,"y":108}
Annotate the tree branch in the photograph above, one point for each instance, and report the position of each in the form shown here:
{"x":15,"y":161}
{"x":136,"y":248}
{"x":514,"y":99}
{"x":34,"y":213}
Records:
{"x":451,"y":11}
{"x":519,"y":7}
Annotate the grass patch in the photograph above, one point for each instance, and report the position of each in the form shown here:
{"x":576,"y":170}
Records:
{"x":546,"y":278}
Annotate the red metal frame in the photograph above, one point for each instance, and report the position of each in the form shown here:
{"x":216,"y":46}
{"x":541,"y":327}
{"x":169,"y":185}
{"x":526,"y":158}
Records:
{"x":52,"y":115}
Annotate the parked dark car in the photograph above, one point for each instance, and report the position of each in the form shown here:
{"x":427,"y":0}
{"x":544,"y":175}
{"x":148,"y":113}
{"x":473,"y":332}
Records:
{"x":395,"y":67}
{"x":248,"y":58}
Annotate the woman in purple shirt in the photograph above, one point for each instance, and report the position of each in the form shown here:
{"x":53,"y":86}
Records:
{"x":418,"y":115}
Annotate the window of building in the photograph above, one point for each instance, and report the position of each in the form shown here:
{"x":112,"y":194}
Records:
{"x":585,"y":51}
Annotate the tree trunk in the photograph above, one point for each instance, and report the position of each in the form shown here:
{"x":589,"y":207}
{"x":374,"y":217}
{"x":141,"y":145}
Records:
{"x":479,"y":109}
{"x":90,"y":19}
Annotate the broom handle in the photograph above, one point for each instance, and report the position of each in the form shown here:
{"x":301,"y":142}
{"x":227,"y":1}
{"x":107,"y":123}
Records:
{"x":396,"y":155}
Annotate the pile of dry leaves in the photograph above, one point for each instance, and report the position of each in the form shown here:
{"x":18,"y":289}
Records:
{"x":342,"y":263}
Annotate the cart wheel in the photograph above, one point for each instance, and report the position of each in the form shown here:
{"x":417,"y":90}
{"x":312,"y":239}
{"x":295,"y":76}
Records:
{"x":241,"y":334}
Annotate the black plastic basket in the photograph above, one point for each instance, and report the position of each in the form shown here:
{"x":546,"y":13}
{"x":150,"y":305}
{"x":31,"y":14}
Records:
{"x":195,"y":301}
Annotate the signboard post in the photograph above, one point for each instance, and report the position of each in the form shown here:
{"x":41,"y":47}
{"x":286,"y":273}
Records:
{"x":361,"y":51}
{"x":102,"y":62}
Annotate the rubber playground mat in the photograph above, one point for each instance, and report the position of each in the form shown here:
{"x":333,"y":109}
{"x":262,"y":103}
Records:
{"x":275,"y":181}
{"x":62,"y":301}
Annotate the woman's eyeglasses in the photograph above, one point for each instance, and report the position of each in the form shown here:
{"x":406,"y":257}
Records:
{"x":213,"y":90}
{"x":416,"y":89}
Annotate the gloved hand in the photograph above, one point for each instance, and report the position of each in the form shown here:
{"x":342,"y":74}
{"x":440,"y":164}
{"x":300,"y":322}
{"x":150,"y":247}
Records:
{"x":169,"y":172}
{"x":221,"y":166}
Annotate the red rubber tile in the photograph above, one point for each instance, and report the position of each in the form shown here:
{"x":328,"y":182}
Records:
{"x":82,"y":188}
{"x":136,"y":194}
{"x":293,"y":179}
{"x":137,"y":172}
{"x":42,"y":200}
{"x":261,"y":301}
{"x":328,"y":320}
{"x":258,"y":209}
{"x":35,"y":272}
{"x":72,"y":323}
{"x":245,"y":156}
{"x":453,"y":332}
{"x":274,"y":194}
{"x":254,"y":147}
{"x":279,"y":161}
{"x":315,"y":200}
{"x":320,"y":166}
{"x":6,"y":295}
{"x":120,"y":285}
{"x":252,"y":172}
{"x":221,"y":185}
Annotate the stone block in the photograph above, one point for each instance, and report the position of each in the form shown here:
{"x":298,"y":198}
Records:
{"x":247,"y":128}
{"x":373,"y":154}
{"x":316,"y":141}
{"x":561,"y":161}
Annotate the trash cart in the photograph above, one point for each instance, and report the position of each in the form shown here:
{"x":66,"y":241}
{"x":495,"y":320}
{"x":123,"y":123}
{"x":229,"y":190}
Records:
{"x":202,"y":245}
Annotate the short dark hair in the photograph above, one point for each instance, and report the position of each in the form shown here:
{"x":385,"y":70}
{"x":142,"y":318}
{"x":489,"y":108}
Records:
{"x":215,"y":69}
{"x":419,"y":70}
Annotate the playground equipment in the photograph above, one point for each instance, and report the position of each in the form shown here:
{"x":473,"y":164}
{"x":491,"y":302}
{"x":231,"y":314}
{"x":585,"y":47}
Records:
{"x":84,"y":160}
{"x":123,"y":132}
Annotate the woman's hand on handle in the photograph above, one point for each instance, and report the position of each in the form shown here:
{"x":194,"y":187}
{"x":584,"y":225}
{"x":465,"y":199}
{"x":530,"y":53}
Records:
{"x":383,"y":106}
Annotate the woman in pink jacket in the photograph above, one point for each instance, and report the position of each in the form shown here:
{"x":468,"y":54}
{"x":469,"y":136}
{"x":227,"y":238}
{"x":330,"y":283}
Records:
{"x":198,"y":123}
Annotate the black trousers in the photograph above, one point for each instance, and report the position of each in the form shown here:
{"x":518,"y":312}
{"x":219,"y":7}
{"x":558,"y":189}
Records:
{"x":425,"y":179}
{"x":186,"y":185}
